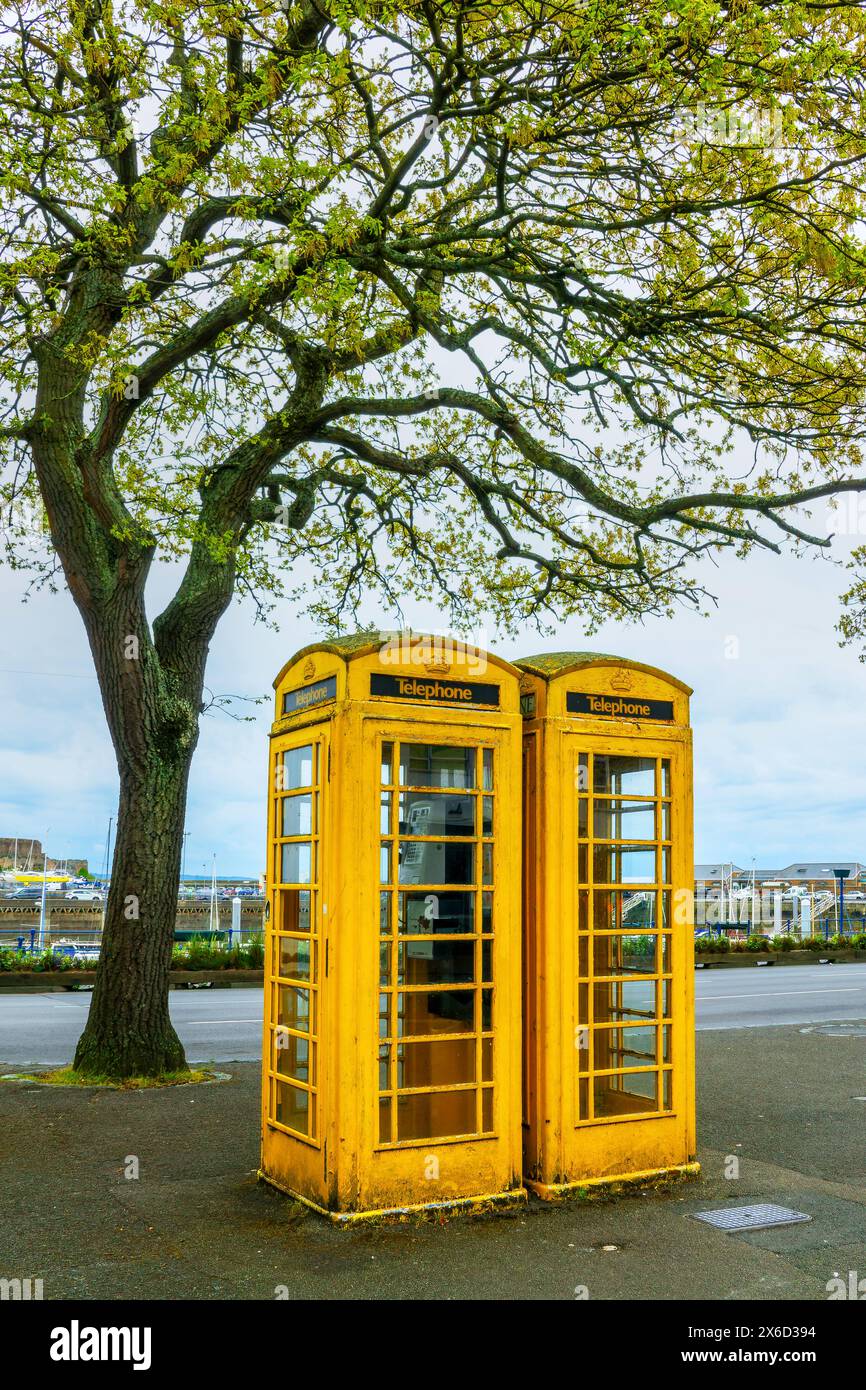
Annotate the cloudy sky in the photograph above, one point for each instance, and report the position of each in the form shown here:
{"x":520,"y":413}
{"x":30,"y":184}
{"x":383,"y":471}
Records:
{"x":780,"y":727}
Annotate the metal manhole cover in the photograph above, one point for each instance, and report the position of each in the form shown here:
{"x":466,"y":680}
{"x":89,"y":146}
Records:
{"x":837,"y":1030}
{"x":753,"y":1218}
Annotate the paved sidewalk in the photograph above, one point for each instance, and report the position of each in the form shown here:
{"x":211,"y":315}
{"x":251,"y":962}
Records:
{"x":197,"y":1224}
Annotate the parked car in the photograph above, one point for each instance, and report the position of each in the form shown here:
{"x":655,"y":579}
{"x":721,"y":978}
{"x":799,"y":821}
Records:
{"x":33,"y":892}
{"x":86,"y":895}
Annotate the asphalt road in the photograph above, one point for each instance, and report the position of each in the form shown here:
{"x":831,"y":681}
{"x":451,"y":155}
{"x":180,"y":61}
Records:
{"x":765,"y":996}
{"x":224,"y":1025}
{"x":215,"y":1025}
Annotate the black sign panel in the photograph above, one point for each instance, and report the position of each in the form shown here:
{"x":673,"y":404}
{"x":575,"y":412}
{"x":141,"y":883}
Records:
{"x":618,"y":706}
{"x":436,"y":690}
{"x":308,"y":696}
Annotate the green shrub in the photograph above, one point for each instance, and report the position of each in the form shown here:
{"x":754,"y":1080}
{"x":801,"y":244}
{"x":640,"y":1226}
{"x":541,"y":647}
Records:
{"x":783,"y":943}
{"x":757,"y":943}
{"x":198,"y":954}
{"x":39,"y":961}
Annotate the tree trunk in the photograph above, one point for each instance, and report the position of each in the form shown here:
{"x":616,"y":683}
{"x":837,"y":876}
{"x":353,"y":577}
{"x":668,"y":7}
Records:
{"x":128,"y":1031}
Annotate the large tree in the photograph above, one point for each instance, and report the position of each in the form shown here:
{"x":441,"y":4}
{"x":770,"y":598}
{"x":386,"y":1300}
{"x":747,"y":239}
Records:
{"x":487,"y":297}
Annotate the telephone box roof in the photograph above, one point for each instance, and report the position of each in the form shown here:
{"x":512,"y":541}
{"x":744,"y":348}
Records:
{"x":356,"y":644}
{"x":548,"y":665}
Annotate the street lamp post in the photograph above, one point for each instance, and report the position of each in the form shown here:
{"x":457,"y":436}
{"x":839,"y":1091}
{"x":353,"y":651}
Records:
{"x":841,"y":875}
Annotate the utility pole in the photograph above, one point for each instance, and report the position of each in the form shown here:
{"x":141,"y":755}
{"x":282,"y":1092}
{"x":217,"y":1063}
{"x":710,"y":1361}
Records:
{"x":44,"y":891}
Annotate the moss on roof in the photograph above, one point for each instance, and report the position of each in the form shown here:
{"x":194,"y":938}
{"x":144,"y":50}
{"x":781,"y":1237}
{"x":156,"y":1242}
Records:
{"x":551,"y":663}
{"x":351,"y":641}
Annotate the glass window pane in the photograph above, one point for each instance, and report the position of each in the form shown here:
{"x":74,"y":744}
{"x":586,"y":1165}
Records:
{"x":624,"y":1000}
{"x":436,"y":913}
{"x":486,"y":863}
{"x":666,"y":777}
{"x":624,"y":820}
{"x":581,"y":1043}
{"x":437,"y":862}
{"x":385,"y":861}
{"x":487,"y":961}
{"x":297,"y":768}
{"x":623,"y":776}
{"x":667,"y":1091}
{"x":665,"y":814}
{"x":487,"y":912}
{"x":384,"y":1016}
{"x":298,"y":814}
{"x":487,"y":815}
{"x":626,"y":1095}
{"x":583,"y":818}
{"x":296,"y":862}
{"x":436,"y":1114}
{"x":624,"y":1047}
{"x":623,"y":910}
{"x":487,"y":1059}
{"x":625,"y":955}
{"x":385,"y":963}
{"x":385,"y":1121}
{"x":436,"y":813}
{"x":387,"y":764}
{"x":436,"y":1011}
{"x":487,"y":769}
{"x":447,"y":1063}
{"x":615,"y":864}
{"x":292,"y":1108}
{"x":486,"y":1010}
{"x":295,"y":1009}
{"x":436,"y":765}
{"x":385,"y":814}
{"x":583,"y":1099}
{"x":292,"y":1056}
{"x":436,"y":962}
{"x":385,"y":914}
{"x":487,"y":1110}
{"x":583,"y":1004}
{"x":294,"y":957}
{"x":385,"y":1068}
{"x":293,"y":909}
{"x":583,"y":957}
{"x":581,"y":774}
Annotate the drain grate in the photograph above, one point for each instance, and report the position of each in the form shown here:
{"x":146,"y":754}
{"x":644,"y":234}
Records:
{"x":753,"y":1218}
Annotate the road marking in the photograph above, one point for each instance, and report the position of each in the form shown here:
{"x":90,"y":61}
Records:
{"x":782,"y":993}
{"x":200,"y":1022}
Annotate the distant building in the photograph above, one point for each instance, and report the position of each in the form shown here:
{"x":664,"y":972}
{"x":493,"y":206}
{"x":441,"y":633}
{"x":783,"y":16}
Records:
{"x":815,"y":876}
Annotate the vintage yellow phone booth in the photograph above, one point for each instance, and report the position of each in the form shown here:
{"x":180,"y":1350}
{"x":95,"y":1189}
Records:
{"x":608,"y":884}
{"x":391,"y":1075}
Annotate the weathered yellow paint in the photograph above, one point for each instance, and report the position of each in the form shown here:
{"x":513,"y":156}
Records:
{"x":608,"y":1067}
{"x":321,"y":1101}
{"x":600,"y":1187}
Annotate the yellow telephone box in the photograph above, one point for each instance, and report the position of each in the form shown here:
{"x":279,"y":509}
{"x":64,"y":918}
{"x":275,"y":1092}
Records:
{"x":391,"y":1060}
{"x":608,"y":884}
